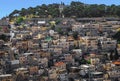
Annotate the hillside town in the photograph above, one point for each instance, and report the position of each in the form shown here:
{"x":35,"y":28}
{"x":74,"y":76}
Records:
{"x":60,"y":49}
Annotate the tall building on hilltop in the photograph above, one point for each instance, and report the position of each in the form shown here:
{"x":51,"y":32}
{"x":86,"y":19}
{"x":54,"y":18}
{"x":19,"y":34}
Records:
{"x":61,"y":7}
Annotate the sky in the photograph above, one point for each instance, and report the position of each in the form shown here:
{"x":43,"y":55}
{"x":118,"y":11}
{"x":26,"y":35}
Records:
{"x":7,"y":6}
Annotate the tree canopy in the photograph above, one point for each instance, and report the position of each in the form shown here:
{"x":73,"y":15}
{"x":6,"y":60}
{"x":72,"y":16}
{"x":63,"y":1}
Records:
{"x":76,"y":9}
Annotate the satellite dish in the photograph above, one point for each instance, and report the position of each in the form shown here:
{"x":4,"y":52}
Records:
{"x":51,"y":32}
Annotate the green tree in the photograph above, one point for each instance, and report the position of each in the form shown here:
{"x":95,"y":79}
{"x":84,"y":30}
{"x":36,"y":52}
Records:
{"x":4,"y":37}
{"x":19,"y":20}
{"x":53,"y":10}
{"x":117,"y":36}
{"x":14,"y":13}
{"x":59,"y":30}
{"x":75,"y":35}
{"x":23,"y":12}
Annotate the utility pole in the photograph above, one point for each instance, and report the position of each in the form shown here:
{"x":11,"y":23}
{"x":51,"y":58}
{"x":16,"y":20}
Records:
{"x":90,"y":28}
